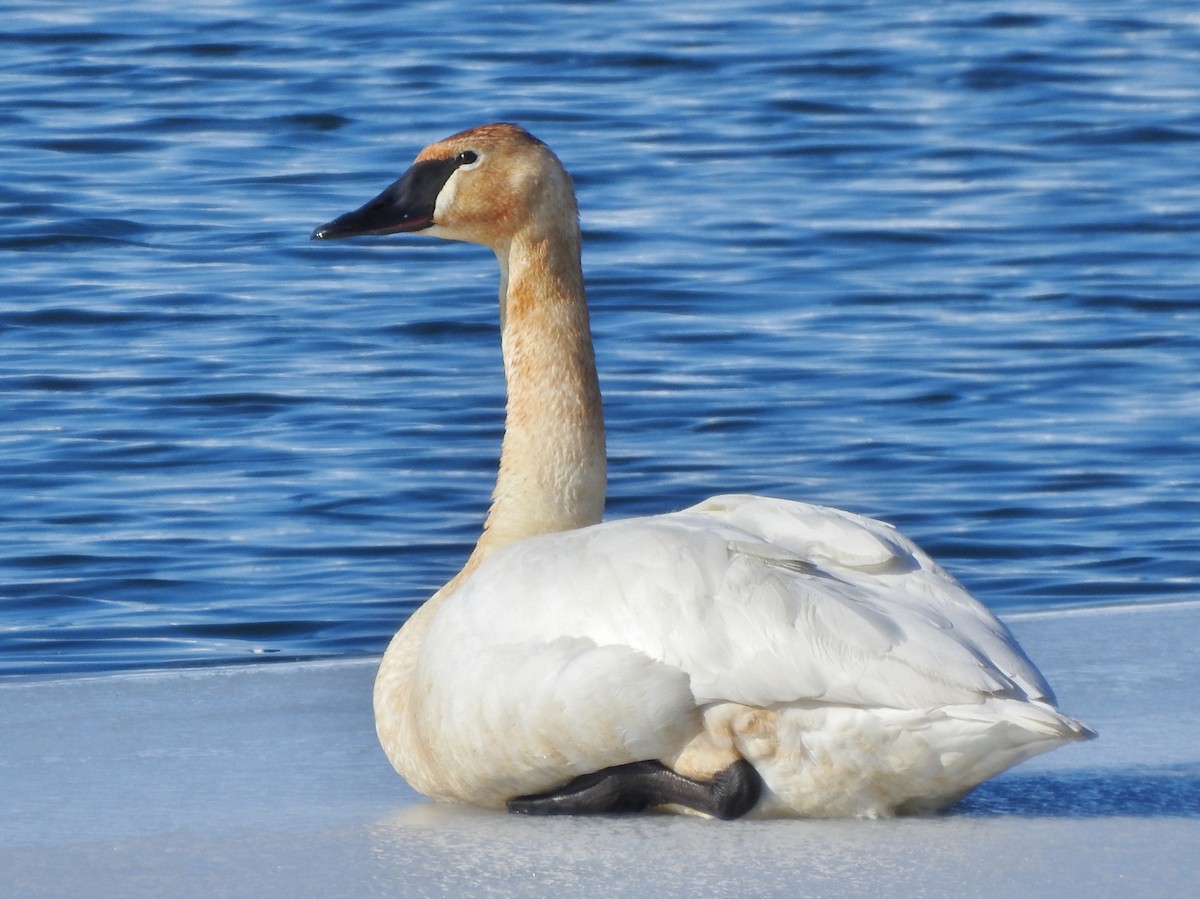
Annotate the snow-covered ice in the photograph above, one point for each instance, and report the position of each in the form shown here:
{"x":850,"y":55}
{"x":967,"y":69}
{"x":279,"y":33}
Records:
{"x":267,"y":781}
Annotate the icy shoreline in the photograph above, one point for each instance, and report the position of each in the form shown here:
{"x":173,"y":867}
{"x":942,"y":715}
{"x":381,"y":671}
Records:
{"x":267,"y":781}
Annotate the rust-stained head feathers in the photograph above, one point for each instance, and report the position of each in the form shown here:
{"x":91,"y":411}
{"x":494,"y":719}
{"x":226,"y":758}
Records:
{"x":481,"y":185}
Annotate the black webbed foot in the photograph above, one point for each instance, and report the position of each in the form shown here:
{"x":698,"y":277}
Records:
{"x":735,"y":790}
{"x":633,"y":787}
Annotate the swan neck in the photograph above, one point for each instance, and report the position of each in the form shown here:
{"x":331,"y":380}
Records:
{"x":552,"y":462}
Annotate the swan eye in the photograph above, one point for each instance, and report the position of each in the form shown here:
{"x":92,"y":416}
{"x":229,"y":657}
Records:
{"x":466,"y":157}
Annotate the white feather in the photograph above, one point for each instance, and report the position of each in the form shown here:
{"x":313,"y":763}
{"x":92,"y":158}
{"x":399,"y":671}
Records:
{"x":612,"y":637}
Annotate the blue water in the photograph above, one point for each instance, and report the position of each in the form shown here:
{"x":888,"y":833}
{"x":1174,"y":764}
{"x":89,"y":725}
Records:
{"x":936,"y":263}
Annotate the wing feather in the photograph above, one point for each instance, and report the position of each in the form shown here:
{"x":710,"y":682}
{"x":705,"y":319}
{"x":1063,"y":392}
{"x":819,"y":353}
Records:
{"x":756,"y":601}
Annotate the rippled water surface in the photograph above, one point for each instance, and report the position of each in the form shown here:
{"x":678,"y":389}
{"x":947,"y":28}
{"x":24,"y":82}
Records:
{"x":932,"y":263}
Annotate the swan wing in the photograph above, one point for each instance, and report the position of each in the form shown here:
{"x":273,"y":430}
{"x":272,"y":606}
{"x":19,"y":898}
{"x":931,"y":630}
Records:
{"x":757,"y":600}
{"x":882,"y":620}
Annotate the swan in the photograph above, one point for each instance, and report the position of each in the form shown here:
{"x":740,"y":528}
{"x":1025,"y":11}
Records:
{"x":747,"y":655}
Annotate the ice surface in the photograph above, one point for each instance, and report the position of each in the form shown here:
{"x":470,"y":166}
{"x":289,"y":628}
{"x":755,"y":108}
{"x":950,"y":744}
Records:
{"x":267,"y":781}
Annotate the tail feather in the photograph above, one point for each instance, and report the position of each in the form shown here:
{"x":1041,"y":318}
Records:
{"x":1040,"y":720}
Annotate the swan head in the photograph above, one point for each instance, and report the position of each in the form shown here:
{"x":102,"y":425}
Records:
{"x":483,"y":185}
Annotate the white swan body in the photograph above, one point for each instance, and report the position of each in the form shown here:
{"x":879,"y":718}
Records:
{"x":825,"y":649}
